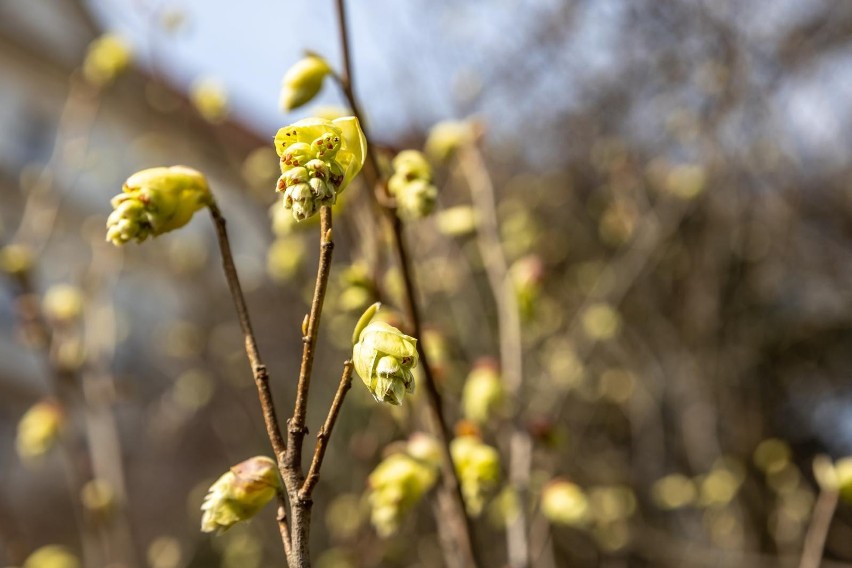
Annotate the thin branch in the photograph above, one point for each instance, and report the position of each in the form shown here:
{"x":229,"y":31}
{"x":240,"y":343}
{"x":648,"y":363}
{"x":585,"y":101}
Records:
{"x":454,"y":516}
{"x":818,"y":529}
{"x":325,"y":432}
{"x":300,"y":505}
{"x":496,"y":266}
{"x":261,"y":376}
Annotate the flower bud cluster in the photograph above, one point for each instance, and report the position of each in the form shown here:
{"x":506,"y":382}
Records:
{"x":240,"y":493}
{"x":395,"y":487}
{"x":38,"y":429}
{"x":52,"y":556}
{"x":478,"y":467}
{"x":156,"y":201}
{"x":483,"y":392}
{"x":384,"y":358}
{"x":411,"y":185}
{"x":106,"y":58}
{"x":564,"y":503}
{"x":318,"y":160}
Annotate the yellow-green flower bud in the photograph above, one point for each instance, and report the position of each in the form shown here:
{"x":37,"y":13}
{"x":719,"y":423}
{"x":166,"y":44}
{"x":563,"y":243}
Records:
{"x":564,"y":503}
{"x":411,"y":185}
{"x":210,"y":99}
{"x":52,"y":556}
{"x":38,"y":429}
{"x":300,"y":199}
{"x":16,"y":259}
{"x":303,"y":81}
{"x":332,"y":152}
{"x":63,"y":303}
{"x":447,"y":137}
{"x":483,"y":392}
{"x":478,"y":467}
{"x":396,"y":485}
{"x":240,"y":493}
{"x":416,"y":199}
{"x":384,"y":358}
{"x":156,"y":201}
{"x":106,"y":58}
{"x":457,"y":221}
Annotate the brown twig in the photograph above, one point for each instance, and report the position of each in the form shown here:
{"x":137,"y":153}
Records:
{"x":818,"y":529}
{"x":474,"y":169}
{"x":261,"y":376}
{"x":454,"y":516}
{"x":325,"y":432}
{"x":300,"y":504}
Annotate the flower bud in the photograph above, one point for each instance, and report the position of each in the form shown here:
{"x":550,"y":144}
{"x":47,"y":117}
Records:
{"x":843,"y":473}
{"x":63,"y":303}
{"x":300,"y":199}
{"x":416,"y":199}
{"x":384,"y":358}
{"x":106,"y":58}
{"x":38,"y":429}
{"x":322,"y":191}
{"x":564,"y":503}
{"x":483,"y":392}
{"x":411,"y":185}
{"x":240,"y":493}
{"x":210,"y":100}
{"x":332,"y":152}
{"x":446,"y":138}
{"x":52,"y":556}
{"x":156,"y":201}
{"x":478,"y":467}
{"x":397,"y":484}
{"x":303,"y":81}
{"x":16,"y":259}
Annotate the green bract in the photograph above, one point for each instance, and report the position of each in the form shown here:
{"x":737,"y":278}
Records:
{"x":156,"y":201}
{"x":318,"y":160}
{"x":239,"y":494}
{"x":384,"y":358}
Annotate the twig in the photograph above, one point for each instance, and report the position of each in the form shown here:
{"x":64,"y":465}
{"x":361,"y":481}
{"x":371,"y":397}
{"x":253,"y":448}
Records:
{"x":454,"y":517}
{"x":300,"y":504}
{"x":325,"y":432}
{"x":511,"y":348}
{"x":261,"y":376}
{"x":818,"y":529}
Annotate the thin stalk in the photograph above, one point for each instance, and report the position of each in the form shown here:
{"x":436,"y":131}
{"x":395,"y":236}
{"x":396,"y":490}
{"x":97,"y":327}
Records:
{"x":454,"y":517}
{"x":294,"y":478}
{"x":261,"y":376}
{"x":818,"y":530}
{"x":511,"y":347}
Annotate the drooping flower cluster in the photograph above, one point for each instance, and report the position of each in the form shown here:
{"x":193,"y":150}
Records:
{"x":411,"y":185}
{"x":384,"y":358}
{"x":483,"y":392}
{"x":395,"y":487}
{"x":106,"y":58}
{"x":478,"y":467}
{"x":156,"y":201}
{"x":564,"y":503}
{"x":240,"y":493}
{"x":318,"y":160}
{"x":38,"y":429}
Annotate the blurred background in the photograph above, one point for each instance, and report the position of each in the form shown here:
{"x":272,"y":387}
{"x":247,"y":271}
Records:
{"x":674,"y":200}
